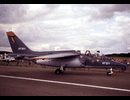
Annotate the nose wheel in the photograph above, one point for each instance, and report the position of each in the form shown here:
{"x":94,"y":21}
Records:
{"x":110,"y":73}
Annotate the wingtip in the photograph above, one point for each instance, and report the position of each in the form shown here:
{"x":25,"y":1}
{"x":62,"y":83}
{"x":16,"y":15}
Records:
{"x":10,"y":33}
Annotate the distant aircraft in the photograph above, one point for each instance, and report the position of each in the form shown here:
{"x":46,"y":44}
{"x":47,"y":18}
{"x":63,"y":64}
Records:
{"x":6,"y":58}
{"x":61,"y":59}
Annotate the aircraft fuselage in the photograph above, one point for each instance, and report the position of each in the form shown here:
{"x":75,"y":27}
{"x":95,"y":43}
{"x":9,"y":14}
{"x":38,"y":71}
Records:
{"x":82,"y":61}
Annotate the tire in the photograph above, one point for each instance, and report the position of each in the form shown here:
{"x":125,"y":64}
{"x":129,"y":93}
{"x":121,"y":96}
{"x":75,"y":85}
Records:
{"x":108,"y":74}
{"x":58,"y":72}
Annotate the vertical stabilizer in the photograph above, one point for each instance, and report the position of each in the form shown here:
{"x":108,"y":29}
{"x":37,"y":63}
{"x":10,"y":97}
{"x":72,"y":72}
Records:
{"x":16,"y":44}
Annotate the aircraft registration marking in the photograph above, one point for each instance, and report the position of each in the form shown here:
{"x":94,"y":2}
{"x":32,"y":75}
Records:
{"x":66,"y":83}
{"x":106,"y":63}
{"x":21,"y":48}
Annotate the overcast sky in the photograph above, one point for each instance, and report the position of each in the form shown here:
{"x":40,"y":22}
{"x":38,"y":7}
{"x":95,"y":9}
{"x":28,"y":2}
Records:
{"x":93,"y":27}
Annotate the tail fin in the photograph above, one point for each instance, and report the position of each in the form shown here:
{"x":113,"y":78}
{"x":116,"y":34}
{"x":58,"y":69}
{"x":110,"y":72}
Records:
{"x":16,"y":44}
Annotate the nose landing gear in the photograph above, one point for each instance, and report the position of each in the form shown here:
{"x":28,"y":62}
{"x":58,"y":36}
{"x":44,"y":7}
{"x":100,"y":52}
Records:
{"x":110,"y":73}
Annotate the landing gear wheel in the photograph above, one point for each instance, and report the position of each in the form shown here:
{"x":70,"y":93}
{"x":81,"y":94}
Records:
{"x":58,"y":72}
{"x":108,"y":73}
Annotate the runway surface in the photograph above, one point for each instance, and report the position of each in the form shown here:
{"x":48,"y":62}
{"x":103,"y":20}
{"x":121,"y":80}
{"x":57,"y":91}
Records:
{"x":23,"y":81}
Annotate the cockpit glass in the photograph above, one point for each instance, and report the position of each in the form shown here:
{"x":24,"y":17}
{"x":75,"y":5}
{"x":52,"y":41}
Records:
{"x":96,"y":55}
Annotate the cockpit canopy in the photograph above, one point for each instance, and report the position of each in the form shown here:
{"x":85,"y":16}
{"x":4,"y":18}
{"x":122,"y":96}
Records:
{"x":97,"y":55}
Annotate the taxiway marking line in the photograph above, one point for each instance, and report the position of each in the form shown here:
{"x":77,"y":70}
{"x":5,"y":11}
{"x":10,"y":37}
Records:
{"x":67,"y":83}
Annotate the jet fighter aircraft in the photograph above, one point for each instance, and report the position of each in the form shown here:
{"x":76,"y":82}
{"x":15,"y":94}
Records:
{"x":61,"y":59}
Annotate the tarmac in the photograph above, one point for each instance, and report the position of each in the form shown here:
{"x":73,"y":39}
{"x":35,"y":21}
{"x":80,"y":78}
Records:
{"x":28,"y":81}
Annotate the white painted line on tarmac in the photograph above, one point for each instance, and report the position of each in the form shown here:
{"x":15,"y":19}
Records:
{"x":66,"y":83}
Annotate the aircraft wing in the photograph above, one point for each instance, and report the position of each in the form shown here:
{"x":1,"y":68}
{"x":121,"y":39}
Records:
{"x":56,"y":56}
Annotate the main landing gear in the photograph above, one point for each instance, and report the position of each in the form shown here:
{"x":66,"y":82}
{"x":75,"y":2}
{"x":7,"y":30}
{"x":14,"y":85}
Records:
{"x":60,"y":70}
{"x":110,"y":73}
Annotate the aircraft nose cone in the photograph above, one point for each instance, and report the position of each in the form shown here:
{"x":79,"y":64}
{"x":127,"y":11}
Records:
{"x":117,"y":64}
{"x":122,"y":65}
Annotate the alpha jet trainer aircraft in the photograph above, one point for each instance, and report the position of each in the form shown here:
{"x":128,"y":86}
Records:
{"x":61,"y":59}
